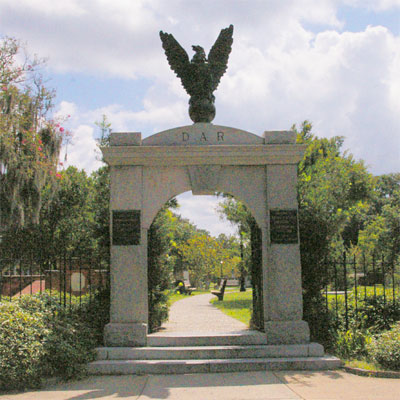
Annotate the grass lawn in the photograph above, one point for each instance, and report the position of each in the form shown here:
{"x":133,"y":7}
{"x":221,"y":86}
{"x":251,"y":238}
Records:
{"x":237,"y":305}
{"x":362,"y":364}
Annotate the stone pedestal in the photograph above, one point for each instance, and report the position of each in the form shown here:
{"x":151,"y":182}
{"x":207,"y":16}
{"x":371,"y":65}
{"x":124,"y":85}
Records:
{"x":125,"y":335}
{"x":287,"y":332}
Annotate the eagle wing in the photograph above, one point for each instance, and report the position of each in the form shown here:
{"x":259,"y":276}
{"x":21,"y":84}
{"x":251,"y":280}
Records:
{"x":219,"y":54}
{"x":178,"y":59}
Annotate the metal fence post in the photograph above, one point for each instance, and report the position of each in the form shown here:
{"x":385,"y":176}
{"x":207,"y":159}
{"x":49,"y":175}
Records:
{"x":345,"y":291}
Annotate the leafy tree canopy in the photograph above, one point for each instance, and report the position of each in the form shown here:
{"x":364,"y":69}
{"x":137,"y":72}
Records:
{"x":30,"y":139}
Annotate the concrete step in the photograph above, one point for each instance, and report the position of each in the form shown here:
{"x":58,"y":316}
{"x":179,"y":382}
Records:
{"x":127,"y":367}
{"x":206,"y":339}
{"x":209,"y":352}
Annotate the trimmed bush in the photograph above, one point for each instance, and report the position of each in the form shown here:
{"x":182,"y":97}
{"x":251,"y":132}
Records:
{"x":40,"y":338}
{"x":158,"y":311}
{"x":22,"y":346}
{"x":385,"y":349}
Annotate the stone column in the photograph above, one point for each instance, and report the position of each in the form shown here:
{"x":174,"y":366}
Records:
{"x":129,"y":302}
{"x":283,"y":306}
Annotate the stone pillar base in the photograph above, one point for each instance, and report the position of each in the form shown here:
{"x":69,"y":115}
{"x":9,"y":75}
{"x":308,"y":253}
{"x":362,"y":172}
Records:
{"x":287,"y":332}
{"x":125,"y":335}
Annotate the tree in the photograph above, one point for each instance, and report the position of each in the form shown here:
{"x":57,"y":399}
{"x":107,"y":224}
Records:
{"x":159,"y":271}
{"x":334,"y":192}
{"x":29,"y":139}
{"x":101,"y":214}
{"x":381,"y":232}
{"x":334,"y":195}
{"x":238,"y":215}
{"x":250,"y":252}
{"x":67,"y":223}
{"x":202,"y":255}
{"x":180,"y":231}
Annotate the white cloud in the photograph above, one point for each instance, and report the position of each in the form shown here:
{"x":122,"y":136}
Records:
{"x":375,"y":5}
{"x":66,"y":109}
{"x":201,"y":210}
{"x":121,"y":37}
{"x":82,"y":151}
{"x":346,"y":83}
{"x":279,"y":72}
{"x":123,"y":119}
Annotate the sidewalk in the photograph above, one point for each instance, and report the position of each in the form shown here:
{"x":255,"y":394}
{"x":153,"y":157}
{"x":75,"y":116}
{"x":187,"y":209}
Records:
{"x":262,"y":385}
{"x":195,"y":314}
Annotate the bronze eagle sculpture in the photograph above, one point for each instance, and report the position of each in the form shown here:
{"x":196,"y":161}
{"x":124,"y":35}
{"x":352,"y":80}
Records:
{"x":200,"y":76}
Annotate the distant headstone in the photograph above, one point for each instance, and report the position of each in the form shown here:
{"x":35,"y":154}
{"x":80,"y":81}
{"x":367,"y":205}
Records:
{"x":78,"y":281}
{"x":186,"y":275}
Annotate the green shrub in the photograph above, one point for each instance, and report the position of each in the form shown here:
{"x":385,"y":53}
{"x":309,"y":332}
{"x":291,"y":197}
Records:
{"x":94,"y":311}
{"x":22,"y":346}
{"x":373,"y":313}
{"x":68,"y":347}
{"x":158,"y":309}
{"x":379,"y":314}
{"x":352,"y":343}
{"x":40,"y":338}
{"x":385,"y":349}
{"x":321,"y":321}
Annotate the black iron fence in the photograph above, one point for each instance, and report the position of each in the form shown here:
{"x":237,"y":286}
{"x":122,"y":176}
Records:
{"x":356,"y":282}
{"x":351,"y":282}
{"x":69,"y":278}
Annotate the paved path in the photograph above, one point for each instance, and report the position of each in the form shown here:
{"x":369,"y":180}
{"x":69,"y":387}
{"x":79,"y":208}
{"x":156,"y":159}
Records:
{"x":196,"y":314}
{"x":262,"y":385}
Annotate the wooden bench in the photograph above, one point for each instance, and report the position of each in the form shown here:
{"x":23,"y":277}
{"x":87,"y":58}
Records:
{"x":220,"y":293}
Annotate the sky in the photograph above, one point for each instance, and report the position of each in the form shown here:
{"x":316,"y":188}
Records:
{"x":335,"y":63}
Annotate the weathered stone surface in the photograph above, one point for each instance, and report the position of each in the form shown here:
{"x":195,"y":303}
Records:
{"x":204,"y":178}
{"x":126,"y":367}
{"x":202,"y":134}
{"x":280,"y":137}
{"x":287,"y":332}
{"x":206,"y":158}
{"x":230,"y":154}
{"x":125,"y":334}
{"x":180,"y":352}
{"x":125,"y":139}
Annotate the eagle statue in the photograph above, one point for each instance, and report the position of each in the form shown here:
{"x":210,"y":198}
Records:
{"x":200,"y":76}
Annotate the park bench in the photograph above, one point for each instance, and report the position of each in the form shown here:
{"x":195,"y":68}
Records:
{"x":220,"y":293}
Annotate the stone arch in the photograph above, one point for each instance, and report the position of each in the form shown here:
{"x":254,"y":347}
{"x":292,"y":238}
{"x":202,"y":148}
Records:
{"x":205,"y":158}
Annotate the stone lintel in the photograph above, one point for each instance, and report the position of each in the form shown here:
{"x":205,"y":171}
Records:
{"x":287,"y":332}
{"x":202,"y":155}
{"x":125,"y":334}
{"x":125,"y":139}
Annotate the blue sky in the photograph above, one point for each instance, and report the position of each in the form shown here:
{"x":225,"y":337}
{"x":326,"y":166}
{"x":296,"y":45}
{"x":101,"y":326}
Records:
{"x":333,"y":62}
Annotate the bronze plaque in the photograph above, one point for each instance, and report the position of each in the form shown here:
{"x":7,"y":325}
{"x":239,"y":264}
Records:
{"x":283,"y":226}
{"x":125,"y":227}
